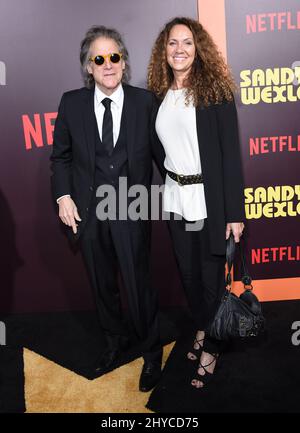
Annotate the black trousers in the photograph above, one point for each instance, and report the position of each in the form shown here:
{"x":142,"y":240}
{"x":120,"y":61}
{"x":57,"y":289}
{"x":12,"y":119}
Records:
{"x":112,"y":246}
{"x":202,"y":274}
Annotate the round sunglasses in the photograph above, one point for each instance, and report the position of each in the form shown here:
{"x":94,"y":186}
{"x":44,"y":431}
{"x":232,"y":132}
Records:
{"x":100,"y":59}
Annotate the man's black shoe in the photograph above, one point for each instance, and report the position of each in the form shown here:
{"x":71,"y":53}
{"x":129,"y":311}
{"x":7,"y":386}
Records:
{"x":107,"y":360}
{"x":150,"y":376}
{"x":111,"y":355}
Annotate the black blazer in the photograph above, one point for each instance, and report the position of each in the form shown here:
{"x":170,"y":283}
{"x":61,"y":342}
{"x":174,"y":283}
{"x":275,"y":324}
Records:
{"x":73,"y":155}
{"x":219,"y":147}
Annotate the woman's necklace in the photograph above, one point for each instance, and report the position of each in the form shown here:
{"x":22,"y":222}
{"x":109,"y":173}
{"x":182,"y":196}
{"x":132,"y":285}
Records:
{"x":176,"y":98}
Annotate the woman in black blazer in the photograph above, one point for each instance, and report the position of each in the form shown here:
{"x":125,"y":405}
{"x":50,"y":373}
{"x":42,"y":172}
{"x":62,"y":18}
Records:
{"x":197,"y":126}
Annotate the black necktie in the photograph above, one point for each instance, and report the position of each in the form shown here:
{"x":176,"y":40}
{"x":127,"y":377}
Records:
{"x":107,"y":127}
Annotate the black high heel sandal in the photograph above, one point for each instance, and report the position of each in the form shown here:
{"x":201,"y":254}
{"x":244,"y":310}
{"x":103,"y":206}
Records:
{"x":207,"y":377}
{"x":196,"y":353}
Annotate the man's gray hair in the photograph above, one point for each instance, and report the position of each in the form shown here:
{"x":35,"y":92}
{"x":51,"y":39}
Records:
{"x":91,"y":35}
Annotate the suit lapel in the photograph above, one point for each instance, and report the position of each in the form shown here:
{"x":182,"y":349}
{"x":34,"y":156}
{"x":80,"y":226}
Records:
{"x":89,"y":125}
{"x":129,"y":112}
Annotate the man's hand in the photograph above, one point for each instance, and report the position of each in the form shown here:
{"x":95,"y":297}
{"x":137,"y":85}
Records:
{"x":68,"y":213}
{"x":236,"y":229}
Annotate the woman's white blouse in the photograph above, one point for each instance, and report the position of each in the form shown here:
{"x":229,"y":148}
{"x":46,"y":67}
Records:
{"x":177,"y":131}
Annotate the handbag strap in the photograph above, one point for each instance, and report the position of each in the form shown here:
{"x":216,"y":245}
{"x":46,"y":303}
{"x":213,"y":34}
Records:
{"x":230,"y":251}
{"x":246,"y":278}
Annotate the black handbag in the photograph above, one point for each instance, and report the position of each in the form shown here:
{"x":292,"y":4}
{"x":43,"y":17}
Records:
{"x":237,"y":317}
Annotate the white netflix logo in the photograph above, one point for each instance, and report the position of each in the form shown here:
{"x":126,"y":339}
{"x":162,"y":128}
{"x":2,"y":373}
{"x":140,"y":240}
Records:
{"x":2,"y":74}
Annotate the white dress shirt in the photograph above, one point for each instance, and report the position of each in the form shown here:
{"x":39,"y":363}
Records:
{"x":177,"y":130}
{"x":116,"y":107}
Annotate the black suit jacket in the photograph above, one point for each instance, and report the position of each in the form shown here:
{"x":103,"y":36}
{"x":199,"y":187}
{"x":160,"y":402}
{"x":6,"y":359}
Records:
{"x":219,"y":147}
{"x":73,"y":156}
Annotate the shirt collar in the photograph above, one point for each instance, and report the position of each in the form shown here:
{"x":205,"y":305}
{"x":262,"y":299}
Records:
{"x":117,"y":96}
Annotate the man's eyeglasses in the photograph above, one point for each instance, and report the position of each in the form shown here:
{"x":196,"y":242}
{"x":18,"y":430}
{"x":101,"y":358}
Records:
{"x":100,"y":59}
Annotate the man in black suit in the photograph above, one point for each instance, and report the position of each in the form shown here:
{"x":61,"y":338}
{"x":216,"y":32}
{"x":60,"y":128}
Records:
{"x":102,"y":133}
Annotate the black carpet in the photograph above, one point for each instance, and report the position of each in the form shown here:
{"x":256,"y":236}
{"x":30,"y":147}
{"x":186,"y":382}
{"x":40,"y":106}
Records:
{"x":73,"y":340}
{"x":259,"y":375}
{"x":11,"y":380}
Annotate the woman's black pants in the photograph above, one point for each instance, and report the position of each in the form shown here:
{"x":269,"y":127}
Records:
{"x":202,"y":274}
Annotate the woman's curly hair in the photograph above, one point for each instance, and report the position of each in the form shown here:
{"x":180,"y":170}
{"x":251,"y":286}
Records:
{"x":209,"y":81}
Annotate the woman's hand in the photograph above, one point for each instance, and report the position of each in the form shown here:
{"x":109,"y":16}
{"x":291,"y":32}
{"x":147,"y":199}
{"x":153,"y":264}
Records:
{"x":236,"y":229}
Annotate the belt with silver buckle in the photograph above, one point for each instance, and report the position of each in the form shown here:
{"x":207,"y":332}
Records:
{"x":182,"y":179}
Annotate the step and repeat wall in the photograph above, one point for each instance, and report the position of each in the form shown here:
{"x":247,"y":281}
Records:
{"x":39,"y":60}
{"x":260,"y":39}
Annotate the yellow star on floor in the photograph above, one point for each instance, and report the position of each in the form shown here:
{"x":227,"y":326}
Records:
{"x":52,"y":388}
